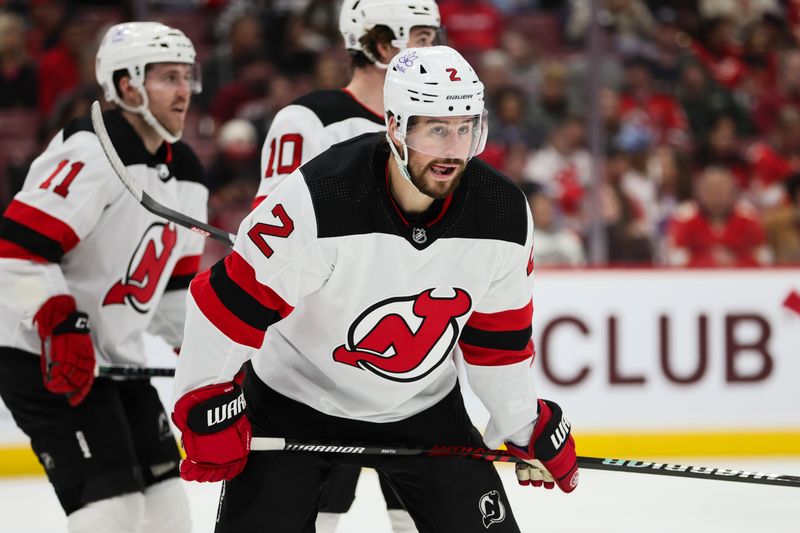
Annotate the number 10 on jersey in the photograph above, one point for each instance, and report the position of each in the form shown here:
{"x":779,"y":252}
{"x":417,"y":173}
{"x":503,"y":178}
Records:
{"x":289,"y":141}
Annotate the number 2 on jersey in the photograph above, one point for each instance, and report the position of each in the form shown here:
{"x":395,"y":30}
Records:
{"x":294,"y":139}
{"x":260,"y":230}
{"x":62,"y":188}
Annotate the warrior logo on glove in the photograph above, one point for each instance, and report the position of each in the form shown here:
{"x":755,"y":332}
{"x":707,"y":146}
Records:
{"x":406,"y":338}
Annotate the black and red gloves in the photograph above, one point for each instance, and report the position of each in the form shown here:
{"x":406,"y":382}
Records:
{"x":67,"y":352}
{"x":550,"y":457}
{"x":215,"y":432}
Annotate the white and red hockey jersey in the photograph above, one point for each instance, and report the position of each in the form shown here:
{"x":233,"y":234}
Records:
{"x":365,"y":306}
{"x":73,"y":228}
{"x":306,"y":128}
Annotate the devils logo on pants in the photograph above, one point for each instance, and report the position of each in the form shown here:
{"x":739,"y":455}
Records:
{"x":145,"y":268}
{"x":406,"y":338}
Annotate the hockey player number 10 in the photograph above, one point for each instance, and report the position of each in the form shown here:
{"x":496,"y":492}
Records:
{"x":260,"y":230}
{"x":62,"y":189}
{"x":294,"y":139}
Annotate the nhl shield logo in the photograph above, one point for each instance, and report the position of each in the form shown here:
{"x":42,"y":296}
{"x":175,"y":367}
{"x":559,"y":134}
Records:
{"x":419,"y":235}
{"x":492,"y":508}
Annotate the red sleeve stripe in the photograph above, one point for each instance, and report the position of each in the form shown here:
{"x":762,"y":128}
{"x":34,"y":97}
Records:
{"x":515,"y":319}
{"x":220,"y":316}
{"x":257,"y":201}
{"x":478,"y":356}
{"x":187,"y":266}
{"x":243,"y":274}
{"x":42,"y":223}
{"x":9,"y":250}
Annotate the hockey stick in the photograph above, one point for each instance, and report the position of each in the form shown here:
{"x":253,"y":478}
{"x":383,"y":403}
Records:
{"x":141,"y":195}
{"x":133,"y":372}
{"x":589,"y":463}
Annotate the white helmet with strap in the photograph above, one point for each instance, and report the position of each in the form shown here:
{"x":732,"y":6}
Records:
{"x":434,"y":82}
{"x":360,"y":16}
{"x":132,"y":46}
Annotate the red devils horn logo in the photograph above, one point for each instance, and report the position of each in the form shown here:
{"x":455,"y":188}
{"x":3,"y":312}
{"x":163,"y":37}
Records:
{"x":405,"y":339}
{"x":145,"y":268}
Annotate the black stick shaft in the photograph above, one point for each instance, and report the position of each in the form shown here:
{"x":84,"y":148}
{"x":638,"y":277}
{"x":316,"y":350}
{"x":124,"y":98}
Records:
{"x":134,"y":372}
{"x":588,"y":463}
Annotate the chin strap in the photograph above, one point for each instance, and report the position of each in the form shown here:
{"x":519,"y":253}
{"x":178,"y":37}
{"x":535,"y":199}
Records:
{"x":144,"y":111}
{"x":402,"y":162}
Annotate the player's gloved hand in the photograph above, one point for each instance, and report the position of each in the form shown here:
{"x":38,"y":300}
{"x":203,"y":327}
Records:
{"x":215,"y":432}
{"x":67,"y":351}
{"x":550,"y":457}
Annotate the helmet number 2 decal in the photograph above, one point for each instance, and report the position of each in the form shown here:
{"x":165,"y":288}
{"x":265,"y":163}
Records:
{"x":453,"y":74}
{"x":260,"y":230}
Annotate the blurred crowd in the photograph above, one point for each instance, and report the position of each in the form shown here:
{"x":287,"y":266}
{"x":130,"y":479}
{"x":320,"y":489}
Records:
{"x":699,"y":106}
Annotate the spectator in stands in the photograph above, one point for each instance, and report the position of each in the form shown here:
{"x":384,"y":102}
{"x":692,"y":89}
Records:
{"x":643,"y":105}
{"x":472,"y":25}
{"x":64,"y":67}
{"x":495,"y":67}
{"x":241,"y":38}
{"x":669,"y":170}
{"x":627,"y":236}
{"x":47,"y":17}
{"x":716,"y":230}
{"x":782,"y":225}
{"x":785,"y":93}
{"x":555,"y":245}
{"x":776,"y":158}
{"x":719,"y":52}
{"x":509,"y":118}
{"x":246,"y":95}
{"x":563,"y":167}
{"x":627,"y":19}
{"x":17,"y":72}
{"x":723,"y":148}
{"x":553,"y":106}
{"x":524,"y":67}
{"x":704,"y":101}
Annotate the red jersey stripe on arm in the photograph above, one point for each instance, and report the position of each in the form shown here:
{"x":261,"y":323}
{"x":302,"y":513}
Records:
{"x":187,"y":266}
{"x":478,"y":356}
{"x":257,"y":201}
{"x":243,"y":274}
{"x":9,"y":250}
{"x":514,"y":319}
{"x":220,"y":316}
{"x":41,"y":222}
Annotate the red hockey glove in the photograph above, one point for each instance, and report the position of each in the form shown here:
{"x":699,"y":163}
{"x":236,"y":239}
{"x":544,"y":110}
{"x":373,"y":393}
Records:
{"x":550,"y":456}
{"x":67,"y":351}
{"x":215,"y":432}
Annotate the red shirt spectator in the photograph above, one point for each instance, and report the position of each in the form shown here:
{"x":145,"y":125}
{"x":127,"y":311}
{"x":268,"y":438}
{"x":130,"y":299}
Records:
{"x":472,"y":25}
{"x":769,"y":166}
{"x":659,"y":112}
{"x":58,"y":73}
{"x":714,"y":230}
{"x":720,"y":53}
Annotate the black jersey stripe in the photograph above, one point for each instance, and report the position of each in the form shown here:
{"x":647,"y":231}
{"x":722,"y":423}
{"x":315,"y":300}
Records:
{"x":497,"y":340}
{"x":31,"y":240}
{"x":239,"y":302}
{"x":177,"y":283}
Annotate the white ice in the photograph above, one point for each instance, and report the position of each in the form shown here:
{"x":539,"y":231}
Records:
{"x":605,"y":502}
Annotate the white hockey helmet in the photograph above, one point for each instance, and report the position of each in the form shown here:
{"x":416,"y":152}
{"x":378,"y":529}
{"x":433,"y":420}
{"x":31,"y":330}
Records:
{"x":359,"y":16}
{"x":132,"y":46}
{"x":434,"y":82}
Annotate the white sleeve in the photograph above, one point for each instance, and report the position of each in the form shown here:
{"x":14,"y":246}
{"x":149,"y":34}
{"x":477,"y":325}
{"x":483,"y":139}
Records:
{"x":65,"y":192}
{"x":295,"y":137}
{"x":275,"y":263}
{"x":498,"y":348}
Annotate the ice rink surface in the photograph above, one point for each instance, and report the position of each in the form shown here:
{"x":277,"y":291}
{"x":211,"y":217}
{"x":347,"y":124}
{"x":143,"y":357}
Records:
{"x":605,"y":502}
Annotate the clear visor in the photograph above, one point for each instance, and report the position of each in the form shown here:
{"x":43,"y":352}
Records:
{"x":461,"y":137}
{"x":176,"y":75}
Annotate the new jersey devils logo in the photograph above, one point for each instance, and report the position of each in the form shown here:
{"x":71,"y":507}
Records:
{"x":145,"y":268}
{"x":404,"y":339}
{"x":492,"y":508}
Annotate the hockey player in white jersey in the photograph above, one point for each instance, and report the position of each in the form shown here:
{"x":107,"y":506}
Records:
{"x":85,"y":271}
{"x":373,"y":31}
{"x":359,"y":274}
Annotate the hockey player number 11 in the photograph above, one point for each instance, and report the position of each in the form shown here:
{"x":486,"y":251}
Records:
{"x":260,"y":230}
{"x":62,"y":189}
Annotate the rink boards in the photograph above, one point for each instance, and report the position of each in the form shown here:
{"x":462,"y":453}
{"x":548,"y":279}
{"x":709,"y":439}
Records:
{"x":645,"y":362}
